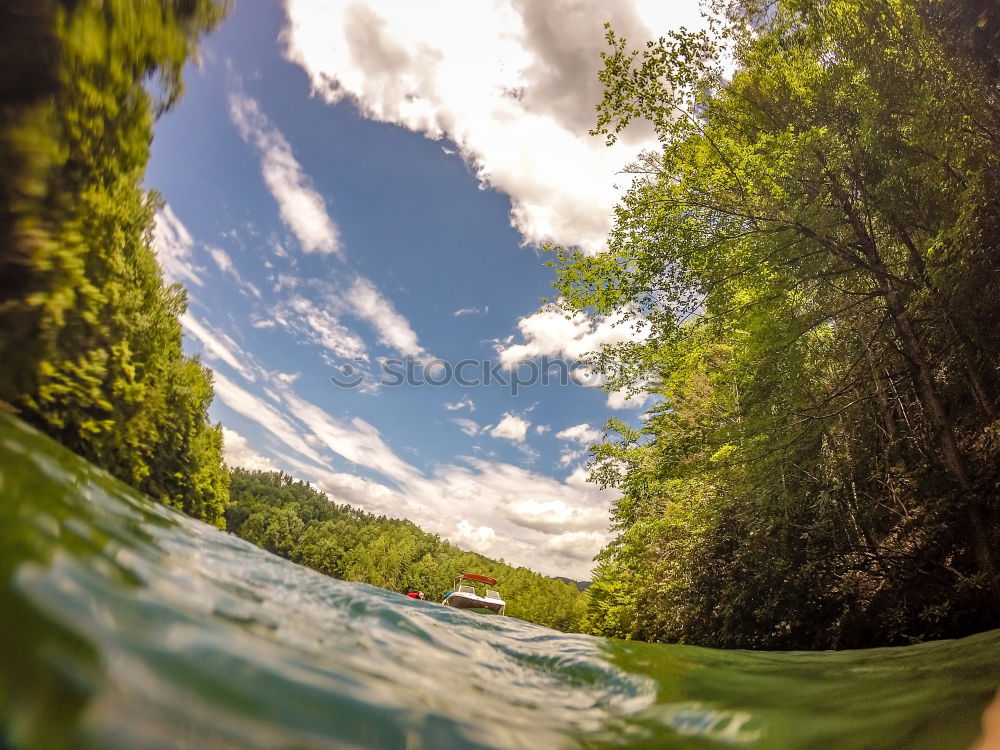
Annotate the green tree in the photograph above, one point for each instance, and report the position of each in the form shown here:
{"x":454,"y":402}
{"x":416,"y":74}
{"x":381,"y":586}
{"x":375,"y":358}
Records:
{"x":814,"y":253}
{"x":89,"y":331}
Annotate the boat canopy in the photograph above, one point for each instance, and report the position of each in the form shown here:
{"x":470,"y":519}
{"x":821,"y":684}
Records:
{"x":476,"y":577}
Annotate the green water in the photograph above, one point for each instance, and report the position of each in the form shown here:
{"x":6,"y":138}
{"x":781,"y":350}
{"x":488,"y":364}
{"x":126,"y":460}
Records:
{"x":126,"y":625}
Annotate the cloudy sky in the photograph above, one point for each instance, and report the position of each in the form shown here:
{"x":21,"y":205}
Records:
{"x":355,"y":196}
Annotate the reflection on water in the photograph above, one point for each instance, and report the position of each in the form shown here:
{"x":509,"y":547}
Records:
{"x":128,"y":625}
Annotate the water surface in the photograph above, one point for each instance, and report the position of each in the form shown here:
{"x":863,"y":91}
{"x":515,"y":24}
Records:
{"x":126,"y":624}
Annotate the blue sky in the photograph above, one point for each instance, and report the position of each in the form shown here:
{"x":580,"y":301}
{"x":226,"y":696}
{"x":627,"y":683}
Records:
{"x":351,"y":184}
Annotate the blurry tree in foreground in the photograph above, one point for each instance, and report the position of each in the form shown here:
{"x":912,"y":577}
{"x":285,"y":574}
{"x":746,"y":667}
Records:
{"x":89,"y":334}
{"x":815,"y":249}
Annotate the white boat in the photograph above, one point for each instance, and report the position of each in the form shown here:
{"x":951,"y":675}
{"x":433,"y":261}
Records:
{"x":465,"y":596}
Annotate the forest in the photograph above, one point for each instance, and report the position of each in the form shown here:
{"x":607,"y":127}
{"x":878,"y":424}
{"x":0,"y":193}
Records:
{"x":814,"y":256}
{"x":293,"y":520}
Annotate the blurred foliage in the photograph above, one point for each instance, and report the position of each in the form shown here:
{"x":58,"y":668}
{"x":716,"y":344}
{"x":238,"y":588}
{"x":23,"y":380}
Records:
{"x":293,"y":520}
{"x":815,"y":251}
{"x":89,"y":332}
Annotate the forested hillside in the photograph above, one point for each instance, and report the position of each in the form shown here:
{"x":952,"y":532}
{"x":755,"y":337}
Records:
{"x":815,"y":252}
{"x":89,"y":333}
{"x":291,"y":519}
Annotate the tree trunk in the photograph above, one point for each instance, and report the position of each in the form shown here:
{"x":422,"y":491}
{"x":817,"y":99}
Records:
{"x":941,"y":425}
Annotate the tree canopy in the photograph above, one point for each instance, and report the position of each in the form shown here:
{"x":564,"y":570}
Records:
{"x":814,"y":250}
{"x":89,"y":331}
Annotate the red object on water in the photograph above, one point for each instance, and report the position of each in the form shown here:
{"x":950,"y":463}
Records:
{"x":413,"y":595}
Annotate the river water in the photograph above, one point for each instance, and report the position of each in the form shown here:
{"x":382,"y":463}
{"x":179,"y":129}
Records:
{"x":127,"y":625}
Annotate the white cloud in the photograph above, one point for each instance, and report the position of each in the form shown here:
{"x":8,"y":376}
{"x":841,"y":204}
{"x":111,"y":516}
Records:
{"x":578,"y":545}
{"x":550,"y":332}
{"x":302,"y":207}
{"x":569,"y":455}
{"x":512,"y":428}
{"x":552,"y":515}
{"x":239,"y":453}
{"x":225,"y":264}
{"x":468,"y":426}
{"x":471,"y":311}
{"x":394,"y":330}
{"x":583,"y":434}
{"x":481,"y":539}
{"x":283,"y":281}
{"x":463,"y":403}
{"x":524,"y":508}
{"x":222,"y":260}
{"x":173,"y":243}
{"x":319,"y":316}
{"x":541,"y":429}
{"x":516,"y":102}
{"x":217,"y":346}
{"x":356,"y":440}
{"x":359,"y":492}
{"x":623,"y":399}
{"x":321,"y":327}
{"x":576,"y":338}
{"x":267,"y":416}
{"x":529,"y":453}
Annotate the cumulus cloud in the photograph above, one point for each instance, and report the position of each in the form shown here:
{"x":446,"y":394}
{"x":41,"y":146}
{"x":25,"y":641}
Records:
{"x":623,"y":399}
{"x":481,"y":539}
{"x":578,"y":545}
{"x":238,"y":453}
{"x":359,"y":491}
{"x":583,"y":434}
{"x":173,"y":243}
{"x":550,"y":332}
{"x":569,"y":455}
{"x":552,"y":515}
{"x":517,"y":102}
{"x":511,"y":427}
{"x":302,"y":208}
{"x":523,"y":507}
